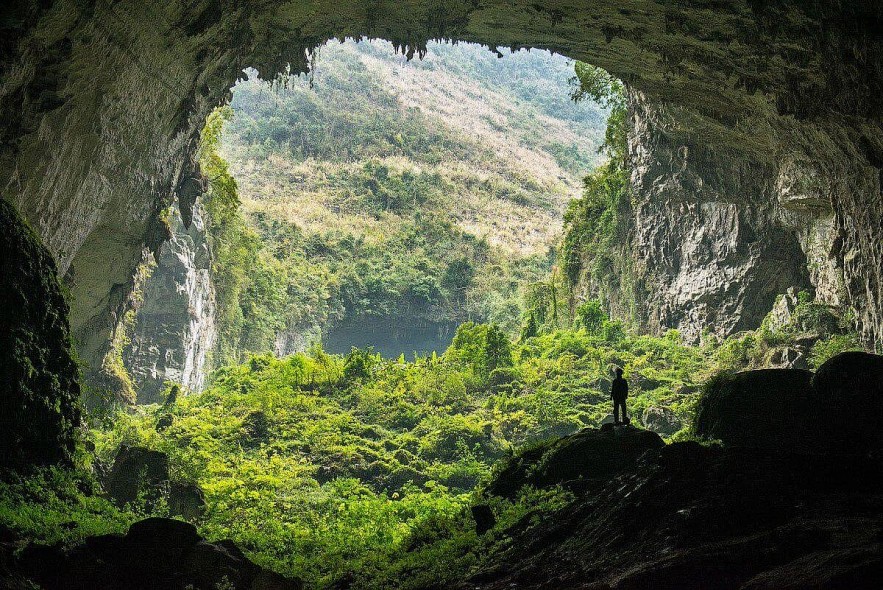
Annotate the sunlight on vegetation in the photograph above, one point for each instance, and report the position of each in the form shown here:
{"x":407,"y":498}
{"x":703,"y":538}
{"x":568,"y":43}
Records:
{"x":321,"y":464}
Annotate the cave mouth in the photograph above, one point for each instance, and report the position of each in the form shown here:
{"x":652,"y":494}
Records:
{"x":413,"y":195}
{"x":780,"y":148}
{"x":354,"y":185}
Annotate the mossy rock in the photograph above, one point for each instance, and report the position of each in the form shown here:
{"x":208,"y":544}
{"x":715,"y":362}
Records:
{"x":849,"y":387}
{"x":39,"y":389}
{"x":589,"y":455}
{"x":768,"y":409}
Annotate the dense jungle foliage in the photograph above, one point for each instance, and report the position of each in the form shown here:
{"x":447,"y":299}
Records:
{"x":321,"y":465}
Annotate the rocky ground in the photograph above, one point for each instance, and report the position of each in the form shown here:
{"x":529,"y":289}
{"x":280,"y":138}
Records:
{"x":155,"y":553}
{"x":789,"y":499}
{"x":688,"y":516}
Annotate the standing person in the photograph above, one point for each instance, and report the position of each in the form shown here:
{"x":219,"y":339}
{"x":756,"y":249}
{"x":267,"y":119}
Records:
{"x":619,"y":391}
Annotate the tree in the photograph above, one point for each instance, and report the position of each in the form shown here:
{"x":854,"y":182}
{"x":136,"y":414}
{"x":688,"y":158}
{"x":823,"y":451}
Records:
{"x":590,"y":316}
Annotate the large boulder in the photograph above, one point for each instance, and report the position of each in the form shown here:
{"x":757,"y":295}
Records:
{"x":186,"y":500}
{"x":136,"y":471}
{"x":849,"y":388}
{"x":139,"y":473}
{"x":770,"y":409}
{"x":587,"y":456}
{"x":661,"y":420}
{"x":838,"y":410}
{"x":155,"y":553}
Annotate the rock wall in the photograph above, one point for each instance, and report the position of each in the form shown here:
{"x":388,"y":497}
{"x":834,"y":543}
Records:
{"x":39,"y":393}
{"x":711,"y":250}
{"x":717,"y":234}
{"x":102,"y":104}
{"x":174,"y":332}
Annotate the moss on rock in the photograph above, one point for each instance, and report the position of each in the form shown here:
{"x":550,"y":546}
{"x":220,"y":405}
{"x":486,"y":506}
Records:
{"x":39,"y":388}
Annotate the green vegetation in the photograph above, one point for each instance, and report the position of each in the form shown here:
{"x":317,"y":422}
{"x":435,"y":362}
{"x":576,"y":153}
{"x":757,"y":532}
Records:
{"x":326,"y":465}
{"x":817,"y":331}
{"x":594,"y":252}
{"x":54,"y":505}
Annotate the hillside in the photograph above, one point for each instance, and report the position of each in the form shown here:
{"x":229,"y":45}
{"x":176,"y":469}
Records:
{"x":431,"y":191}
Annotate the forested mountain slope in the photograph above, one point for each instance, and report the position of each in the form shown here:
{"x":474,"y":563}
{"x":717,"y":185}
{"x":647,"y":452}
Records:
{"x":429,"y":190}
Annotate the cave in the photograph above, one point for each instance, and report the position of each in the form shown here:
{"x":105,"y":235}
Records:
{"x":755,"y":140}
{"x":745,"y":118}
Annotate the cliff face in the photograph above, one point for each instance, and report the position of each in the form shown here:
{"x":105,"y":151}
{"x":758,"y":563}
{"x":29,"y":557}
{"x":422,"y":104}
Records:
{"x":710,"y":248}
{"x":102,"y":105}
{"x":715,"y":236}
{"x":174,"y":329}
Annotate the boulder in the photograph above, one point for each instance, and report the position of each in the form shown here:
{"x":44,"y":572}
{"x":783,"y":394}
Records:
{"x":770,"y":409}
{"x":839,"y":410}
{"x":164,"y":422}
{"x":210,"y":565}
{"x":255,"y":429}
{"x":162,"y":531}
{"x":136,"y":470}
{"x":788,"y":358}
{"x":484,"y":518}
{"x":661,"y":420}
{"x":157,"y":544}
{"x":154,"y":553}
{"x":186,"y":500}
{"x":591,"y":455}
{"x":849,"y":389}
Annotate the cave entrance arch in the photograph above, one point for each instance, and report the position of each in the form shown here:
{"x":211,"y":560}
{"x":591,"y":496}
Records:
{"x":776,"y":104}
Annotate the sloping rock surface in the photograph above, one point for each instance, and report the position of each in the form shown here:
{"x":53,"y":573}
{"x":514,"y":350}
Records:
{"x":690,"y":517}
{"x":589,"y":455}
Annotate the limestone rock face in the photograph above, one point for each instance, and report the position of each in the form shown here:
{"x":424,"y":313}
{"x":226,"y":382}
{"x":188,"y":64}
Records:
{"x":102,"y":104}
{"x":39,"y":392}
{"x":175,"y":325}
{"x":709,"y":247}
{"x":136,"y":470}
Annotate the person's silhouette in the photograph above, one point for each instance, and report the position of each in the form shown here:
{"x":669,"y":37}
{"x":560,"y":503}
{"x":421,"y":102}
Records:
{"x":619,"y":391}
